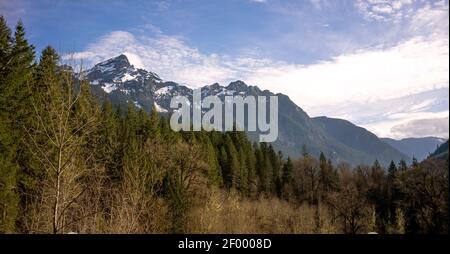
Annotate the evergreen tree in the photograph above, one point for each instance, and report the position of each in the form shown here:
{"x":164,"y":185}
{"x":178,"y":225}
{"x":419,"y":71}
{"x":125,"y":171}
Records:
{"x":251,"y":168}
{"x":377,"y":194}
{"x":214,"y":172}
{"x":16,"y":66}
{"x":46,"y":77}
{"x":155,"y":128}
{"x":131,"y":123}
{"x":243,"y":172}
{"x":5,"y":49}
{"x":305,"y":152}
{"x":402,"y":165}
{"x":288,"y":168}
{"x":276,"y":169}
{"x":23,"y":68}
{"x":334,"y":176}
{"x":231,"y":173}
{"x":325,"y":174}
{"x":108,"y":149}
{"x":415,"y":163}
{"x":392,"y":170}
{"x":22,"y":63}
{"x":260,"y":166}
{"x":268,"y":174}
{"x":376,"y":165}
{"x":88,"y":113}
{"x":393,"y":193}
{"x":8,"y":169}
{"x":223,"y":159}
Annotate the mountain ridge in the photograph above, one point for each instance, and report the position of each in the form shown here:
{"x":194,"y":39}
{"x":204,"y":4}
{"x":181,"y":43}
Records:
{"x":358,"y":137}
{"x":118,"y":80}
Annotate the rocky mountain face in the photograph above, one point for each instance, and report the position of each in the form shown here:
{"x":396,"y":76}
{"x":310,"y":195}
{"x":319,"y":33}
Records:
{"x":120,"y":82}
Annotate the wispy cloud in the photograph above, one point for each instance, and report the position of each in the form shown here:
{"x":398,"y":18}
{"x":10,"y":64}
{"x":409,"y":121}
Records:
{"x":384,"y":10}
{"x":399,"y":10}
{"x":163,"y":5}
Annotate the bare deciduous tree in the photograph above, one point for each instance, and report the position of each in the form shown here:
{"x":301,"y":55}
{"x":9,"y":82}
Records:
{"x":56,"y":141}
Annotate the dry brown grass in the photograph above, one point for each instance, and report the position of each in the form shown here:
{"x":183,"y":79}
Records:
{"x":229,"y":213}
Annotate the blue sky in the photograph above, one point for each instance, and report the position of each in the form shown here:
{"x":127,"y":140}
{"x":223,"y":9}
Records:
{"x":381,"y":64}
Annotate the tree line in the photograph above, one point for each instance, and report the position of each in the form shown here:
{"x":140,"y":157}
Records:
{"x":72,"y":162}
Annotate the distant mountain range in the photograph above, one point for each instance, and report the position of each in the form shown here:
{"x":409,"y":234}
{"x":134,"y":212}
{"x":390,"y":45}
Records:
{"x":420,"y":148}
{"x":360,"y":140}
{"x":339,"y":140}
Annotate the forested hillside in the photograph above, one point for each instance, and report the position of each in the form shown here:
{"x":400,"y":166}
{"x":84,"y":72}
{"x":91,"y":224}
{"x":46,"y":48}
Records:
{"x":69,"y":163}
{"x":441,"y":152}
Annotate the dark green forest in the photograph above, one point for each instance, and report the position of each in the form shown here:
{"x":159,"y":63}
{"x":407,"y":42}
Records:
{"x":70,"y":162}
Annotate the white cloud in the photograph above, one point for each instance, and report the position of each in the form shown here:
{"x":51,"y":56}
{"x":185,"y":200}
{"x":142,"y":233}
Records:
{"x":423,"y":128}
{"x":135,"y":60}
{"x":410,"y":67}
{"x":384,"y":116}
{"x":401,"y":127}
{"x":423,"y":124}
{"x":383,"y":9}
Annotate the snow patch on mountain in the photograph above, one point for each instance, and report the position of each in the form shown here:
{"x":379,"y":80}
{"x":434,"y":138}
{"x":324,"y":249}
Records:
{"x":106,"y":67}
{"x":226,"y":92}
{"x":125,"y":91}
{"x":127,"y":77}
{"x":137,"y":104}
{"x":109,"y":87}
{"x":159,"y":108}
{"x":164,"y":90}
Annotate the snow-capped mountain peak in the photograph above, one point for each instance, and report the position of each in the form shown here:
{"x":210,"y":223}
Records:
{"x":117,"y":74}
{"x":118,"y":78}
